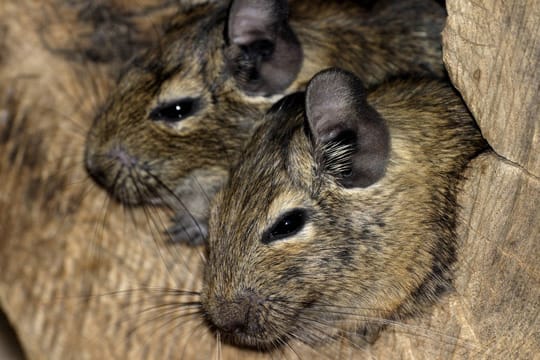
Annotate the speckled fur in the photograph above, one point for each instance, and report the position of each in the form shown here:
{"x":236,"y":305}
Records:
{"x":365,"y":255}
{"x":186,"y":162}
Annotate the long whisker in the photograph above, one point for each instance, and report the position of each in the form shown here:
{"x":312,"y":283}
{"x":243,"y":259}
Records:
{"x":318,"y":324}
{"x":177,"y":199}
{"x":159,"y":228}
{"x":99,"y":230}
{"x":155,"y":224}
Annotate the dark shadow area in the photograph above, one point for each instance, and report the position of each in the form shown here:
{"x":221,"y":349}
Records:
{"x":10,"y":347}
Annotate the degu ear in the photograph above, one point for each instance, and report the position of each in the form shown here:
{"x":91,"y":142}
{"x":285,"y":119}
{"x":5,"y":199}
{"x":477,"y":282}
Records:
{"x":263,"y":53}
{"x":351,"y":138}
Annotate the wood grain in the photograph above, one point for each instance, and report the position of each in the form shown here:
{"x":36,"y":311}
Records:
{"x":492,"y":53}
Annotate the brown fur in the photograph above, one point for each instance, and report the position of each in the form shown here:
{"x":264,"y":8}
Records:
{"x":365,"y":255}
{"x":183,"y":163}
{"x":102,"y":31}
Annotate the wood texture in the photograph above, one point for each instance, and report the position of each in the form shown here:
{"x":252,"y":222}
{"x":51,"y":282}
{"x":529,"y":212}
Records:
{"x":492,"y":53}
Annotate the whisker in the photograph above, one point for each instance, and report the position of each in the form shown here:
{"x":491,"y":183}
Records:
{"x":177,"y":199}
{"x":152,"y":225}
{"x":203,"y":191}
{"x":93,"y":247}
{"x":158,"y":231}
{"x":319,"y":324}
{"x":140,"y":323}
{"x":219,"y":344}
{"x":291,"y":348}
{"x":153,"y":291}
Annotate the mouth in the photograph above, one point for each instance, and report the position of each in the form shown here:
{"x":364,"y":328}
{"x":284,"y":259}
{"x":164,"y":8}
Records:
{"x":272,"y":341}
{"x":262,"y":343}
{"x":125,"y":178}
{"x":131,"y":192}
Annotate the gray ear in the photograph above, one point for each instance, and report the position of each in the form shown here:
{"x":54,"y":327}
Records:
{"x":263,"y":53}
{"x":353,"y":137}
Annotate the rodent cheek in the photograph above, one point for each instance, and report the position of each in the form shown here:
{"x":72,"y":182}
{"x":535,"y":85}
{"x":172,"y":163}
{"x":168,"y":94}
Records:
{"x":209,"y":291}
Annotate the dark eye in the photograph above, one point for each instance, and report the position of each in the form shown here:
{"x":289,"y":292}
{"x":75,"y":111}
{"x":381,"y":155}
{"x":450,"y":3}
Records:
{"x":174,"y":111}
{"x":287,"y":225}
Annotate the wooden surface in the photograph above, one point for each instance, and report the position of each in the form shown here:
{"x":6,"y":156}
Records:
{"x":66,"y":252}
{"x":492,"y":52}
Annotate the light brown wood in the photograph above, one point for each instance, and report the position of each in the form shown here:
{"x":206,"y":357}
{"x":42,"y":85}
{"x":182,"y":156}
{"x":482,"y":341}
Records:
{"x":492,"y":52}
